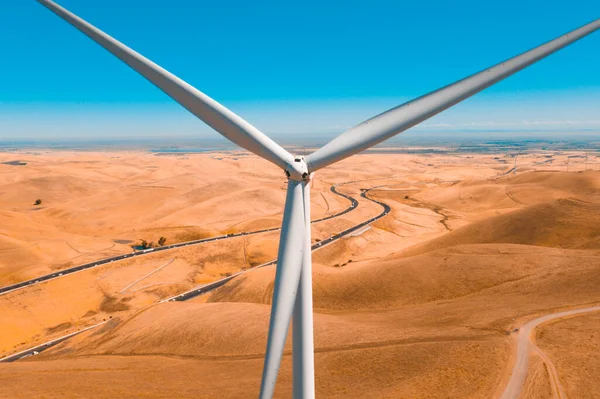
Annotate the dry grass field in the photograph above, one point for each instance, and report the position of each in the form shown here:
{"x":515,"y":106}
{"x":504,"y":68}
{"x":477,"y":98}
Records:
{"x":419,"y":305}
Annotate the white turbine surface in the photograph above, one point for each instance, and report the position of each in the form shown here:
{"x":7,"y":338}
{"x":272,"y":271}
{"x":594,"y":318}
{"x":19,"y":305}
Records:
{"x":287,"y":278}
{"x":292,"y":293}
{"x":303,"y":354}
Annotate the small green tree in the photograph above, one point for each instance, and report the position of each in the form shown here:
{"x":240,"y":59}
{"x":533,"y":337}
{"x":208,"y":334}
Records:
{"x":144,"y":244}
{"x":162,"y":241}
{"x":38,"y":202}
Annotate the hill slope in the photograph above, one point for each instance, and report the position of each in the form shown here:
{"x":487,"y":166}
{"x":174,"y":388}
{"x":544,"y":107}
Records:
{"x":563,"y":223}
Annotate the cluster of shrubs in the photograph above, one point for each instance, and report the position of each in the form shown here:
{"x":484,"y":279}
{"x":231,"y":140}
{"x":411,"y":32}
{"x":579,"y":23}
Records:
{"x":343,"y":264}
{"x":145,"y":244}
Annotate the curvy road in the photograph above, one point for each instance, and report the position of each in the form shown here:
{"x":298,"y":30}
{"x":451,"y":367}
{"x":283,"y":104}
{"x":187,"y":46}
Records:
{"x":198,"y":290}
{"x":524,"y":344}
{"x":46,"y":345}
{"x":209,"y":287}
{"x":14,"y":287}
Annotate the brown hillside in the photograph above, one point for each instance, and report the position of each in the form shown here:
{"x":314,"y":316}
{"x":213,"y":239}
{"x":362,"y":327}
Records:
{"x":477,"y":194}
{"x":416,"y":306}
{"x":564,"y":223}
{"x":435,"y":324}
{"x":396,"y":281}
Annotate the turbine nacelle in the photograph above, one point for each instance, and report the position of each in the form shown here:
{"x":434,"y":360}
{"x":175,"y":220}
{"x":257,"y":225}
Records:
{"x":298,"y":170}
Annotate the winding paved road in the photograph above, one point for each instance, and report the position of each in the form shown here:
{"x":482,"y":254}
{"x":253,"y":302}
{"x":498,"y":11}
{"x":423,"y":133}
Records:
{"x":524,"y":344}
{"x":46,"y":345}
{"x":197,"y":290}
{"x":216,"y":284}
{"x":61,"y":273}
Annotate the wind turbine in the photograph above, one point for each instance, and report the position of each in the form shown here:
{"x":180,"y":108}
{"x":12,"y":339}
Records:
{"x":292,"y":292}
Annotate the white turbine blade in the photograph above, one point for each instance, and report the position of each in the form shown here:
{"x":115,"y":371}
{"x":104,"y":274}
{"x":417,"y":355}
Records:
{"x":405,"y":116}
{"x":303,"y":349}
{"x":205,"y":108}
{"x":289,"y":266}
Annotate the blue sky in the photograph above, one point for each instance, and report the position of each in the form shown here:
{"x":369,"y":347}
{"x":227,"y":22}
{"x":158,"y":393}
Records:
{"x":292,"y":68}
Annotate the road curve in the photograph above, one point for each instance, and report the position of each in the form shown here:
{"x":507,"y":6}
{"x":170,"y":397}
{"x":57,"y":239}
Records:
{"x":214,"y":285}
{"x":194,"y":292}
{"x":61,"y":273}
{"x":42,"y":347}
{"x":524,"y":344}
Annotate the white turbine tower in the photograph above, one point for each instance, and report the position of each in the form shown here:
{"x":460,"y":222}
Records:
{"x":292,"y":293}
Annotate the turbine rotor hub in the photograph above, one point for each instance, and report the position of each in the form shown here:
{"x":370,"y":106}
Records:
{"x":298,"y":170}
